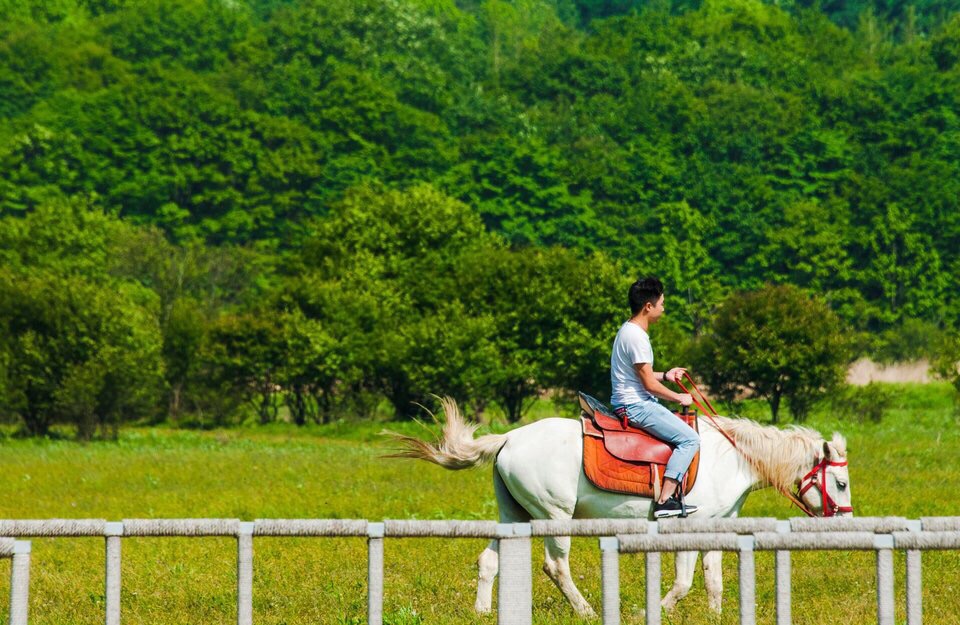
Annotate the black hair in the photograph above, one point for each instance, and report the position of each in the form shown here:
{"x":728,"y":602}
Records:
{"x":644,"y":291}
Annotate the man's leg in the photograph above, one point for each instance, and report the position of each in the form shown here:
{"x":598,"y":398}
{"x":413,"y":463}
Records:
{"x":657,"y":420}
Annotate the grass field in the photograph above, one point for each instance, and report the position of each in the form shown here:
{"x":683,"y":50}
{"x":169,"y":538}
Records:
{"x":906,"y":465}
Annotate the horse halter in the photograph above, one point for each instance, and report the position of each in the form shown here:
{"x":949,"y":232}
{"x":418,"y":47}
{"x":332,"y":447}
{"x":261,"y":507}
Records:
{"x":818,"y":477}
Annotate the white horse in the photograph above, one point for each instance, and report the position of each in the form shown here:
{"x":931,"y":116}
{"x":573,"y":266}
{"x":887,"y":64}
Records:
{"x":538,"y":474}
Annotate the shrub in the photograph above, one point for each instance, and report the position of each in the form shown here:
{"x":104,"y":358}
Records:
{"x":863,"y":403}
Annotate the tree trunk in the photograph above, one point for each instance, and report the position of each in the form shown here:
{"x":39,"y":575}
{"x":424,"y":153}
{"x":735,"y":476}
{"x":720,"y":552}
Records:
{"x":174,"y":407}
{"x":36,"y":424}
{"x":512,"y":400}
{"x":297,"y":403}
{"x":265,"y":405}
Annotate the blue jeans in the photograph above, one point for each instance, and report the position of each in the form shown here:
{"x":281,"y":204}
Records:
{"x":659,"y":422}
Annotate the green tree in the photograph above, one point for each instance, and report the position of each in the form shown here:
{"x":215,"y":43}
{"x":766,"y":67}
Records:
{"x":680,"y":257}
{"x":77,"y":352}
{"x":778,"y":343}
{"x":946,"y":364}
{"x":245,"y":354}
{"x":378,"y":274}
{"x":554,"y":314}
{"x":903,"y":277}
{"x":194,"y":284}
{"x":197,"y":34}
{"x":314,"y":366}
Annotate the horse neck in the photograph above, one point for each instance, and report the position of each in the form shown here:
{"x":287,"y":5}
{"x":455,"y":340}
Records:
{"x":778,"y":458}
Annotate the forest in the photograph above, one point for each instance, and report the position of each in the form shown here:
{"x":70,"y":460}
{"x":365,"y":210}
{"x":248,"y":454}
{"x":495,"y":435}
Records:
{"x":217,"y":211}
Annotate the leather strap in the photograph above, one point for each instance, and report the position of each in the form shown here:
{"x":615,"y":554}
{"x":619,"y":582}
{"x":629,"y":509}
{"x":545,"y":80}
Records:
{"x":711,"y":413}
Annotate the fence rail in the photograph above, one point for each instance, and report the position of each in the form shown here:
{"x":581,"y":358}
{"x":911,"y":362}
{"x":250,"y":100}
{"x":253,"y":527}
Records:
{"x":883,"y":535}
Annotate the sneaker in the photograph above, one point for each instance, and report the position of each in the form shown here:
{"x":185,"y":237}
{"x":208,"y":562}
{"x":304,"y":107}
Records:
{"x":672,"y":507}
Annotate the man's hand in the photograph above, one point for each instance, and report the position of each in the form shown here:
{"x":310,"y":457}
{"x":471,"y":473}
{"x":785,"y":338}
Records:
{"x":652,"y":384}
{"x":674,"y":375}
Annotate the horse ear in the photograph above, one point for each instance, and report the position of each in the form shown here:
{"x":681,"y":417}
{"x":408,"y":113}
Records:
{"x":826,"y":450}
{"x":839,"y":444}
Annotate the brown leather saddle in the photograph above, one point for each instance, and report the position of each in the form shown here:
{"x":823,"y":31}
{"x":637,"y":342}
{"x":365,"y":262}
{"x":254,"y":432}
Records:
{"x":623,"y":459}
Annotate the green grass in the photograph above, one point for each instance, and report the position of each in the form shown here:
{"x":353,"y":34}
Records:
{"x":905,"y":465}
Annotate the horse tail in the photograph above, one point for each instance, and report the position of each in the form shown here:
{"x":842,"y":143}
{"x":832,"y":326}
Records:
{"x":457,"y":448}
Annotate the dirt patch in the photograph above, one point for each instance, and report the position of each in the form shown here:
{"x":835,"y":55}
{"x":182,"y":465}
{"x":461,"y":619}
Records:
{"x":864,"y":371}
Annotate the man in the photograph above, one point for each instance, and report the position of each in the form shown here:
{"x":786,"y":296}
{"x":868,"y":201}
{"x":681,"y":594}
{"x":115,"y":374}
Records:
{"x":636,"y":387}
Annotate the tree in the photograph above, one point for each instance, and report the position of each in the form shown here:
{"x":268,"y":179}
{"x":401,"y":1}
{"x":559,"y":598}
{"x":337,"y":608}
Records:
{"x":903,"y":277}
{"x":77,"y":352}
{"x":83,"y":342}
{"x":244,"y":356}
{"x":194,"y":33}
{"x":378,"y":274}
{"x":683,"y":263}
{"x":555,"y":314}
{"x":194,"y":284}
{"x":776,"y":343}
{"x":946,"y":364}
{"x":517,"y":184}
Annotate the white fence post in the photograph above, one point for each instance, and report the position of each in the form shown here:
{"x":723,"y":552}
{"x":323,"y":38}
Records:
{"x":113,"y":532}
{"x":748,"y":581}
{"x":245,"y":574}
{"x":375,"y":533}
{"x":883,"y":543}
{"x":515,"y":588}
{"x":653,"y":580}
{"x":914,"y":581}
{"x":784,"y":607}
{"x":20,"y":583}
{"x":610,"y":579}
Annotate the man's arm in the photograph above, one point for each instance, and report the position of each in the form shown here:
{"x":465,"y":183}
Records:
{"x":650,"y":381}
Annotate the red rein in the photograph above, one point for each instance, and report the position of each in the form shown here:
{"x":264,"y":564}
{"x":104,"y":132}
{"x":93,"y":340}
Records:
{"x":830,"y":507}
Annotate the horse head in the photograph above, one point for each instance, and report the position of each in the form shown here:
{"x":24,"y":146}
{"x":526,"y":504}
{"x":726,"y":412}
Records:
{"x":825,"y":489}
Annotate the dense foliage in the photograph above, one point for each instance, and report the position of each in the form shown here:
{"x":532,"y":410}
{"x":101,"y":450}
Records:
{"x":320,"y":204}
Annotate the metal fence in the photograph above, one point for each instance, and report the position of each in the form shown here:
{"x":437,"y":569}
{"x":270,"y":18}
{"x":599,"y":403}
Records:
{"x":883,"y":535}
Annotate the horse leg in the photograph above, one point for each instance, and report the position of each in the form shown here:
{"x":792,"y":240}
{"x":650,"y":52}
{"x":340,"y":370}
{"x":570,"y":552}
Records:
{"x":713,"y":579}
{"x":556,"y":564}
{"x":685,"y":565}
{"x":488,"y":563}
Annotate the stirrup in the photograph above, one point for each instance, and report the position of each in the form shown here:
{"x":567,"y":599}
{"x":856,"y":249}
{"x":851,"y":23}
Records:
{"x":683,"y":504}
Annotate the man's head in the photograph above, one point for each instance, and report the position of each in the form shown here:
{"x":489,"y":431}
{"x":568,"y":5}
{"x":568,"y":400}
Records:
{"x":646,"y":295}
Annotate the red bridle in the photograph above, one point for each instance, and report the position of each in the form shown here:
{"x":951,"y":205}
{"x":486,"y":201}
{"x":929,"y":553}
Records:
{"x":818,"y":477}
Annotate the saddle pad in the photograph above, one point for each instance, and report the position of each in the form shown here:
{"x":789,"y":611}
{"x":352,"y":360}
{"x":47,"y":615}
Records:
{"x":623,"y":459}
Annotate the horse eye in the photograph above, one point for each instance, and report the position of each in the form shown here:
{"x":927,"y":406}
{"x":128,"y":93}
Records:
{"x":841,"y":485}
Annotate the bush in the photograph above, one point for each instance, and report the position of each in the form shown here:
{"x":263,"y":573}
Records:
{"x":863,"y":403}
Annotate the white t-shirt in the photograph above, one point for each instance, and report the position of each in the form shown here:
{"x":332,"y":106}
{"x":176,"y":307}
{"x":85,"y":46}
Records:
{"x":632,"y":346}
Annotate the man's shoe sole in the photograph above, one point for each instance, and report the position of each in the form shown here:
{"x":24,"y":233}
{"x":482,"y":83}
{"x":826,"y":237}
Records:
{"x":666,"y":514}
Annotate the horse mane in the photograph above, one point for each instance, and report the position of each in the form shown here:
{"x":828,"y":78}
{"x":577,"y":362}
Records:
{"x":778,"y":456}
